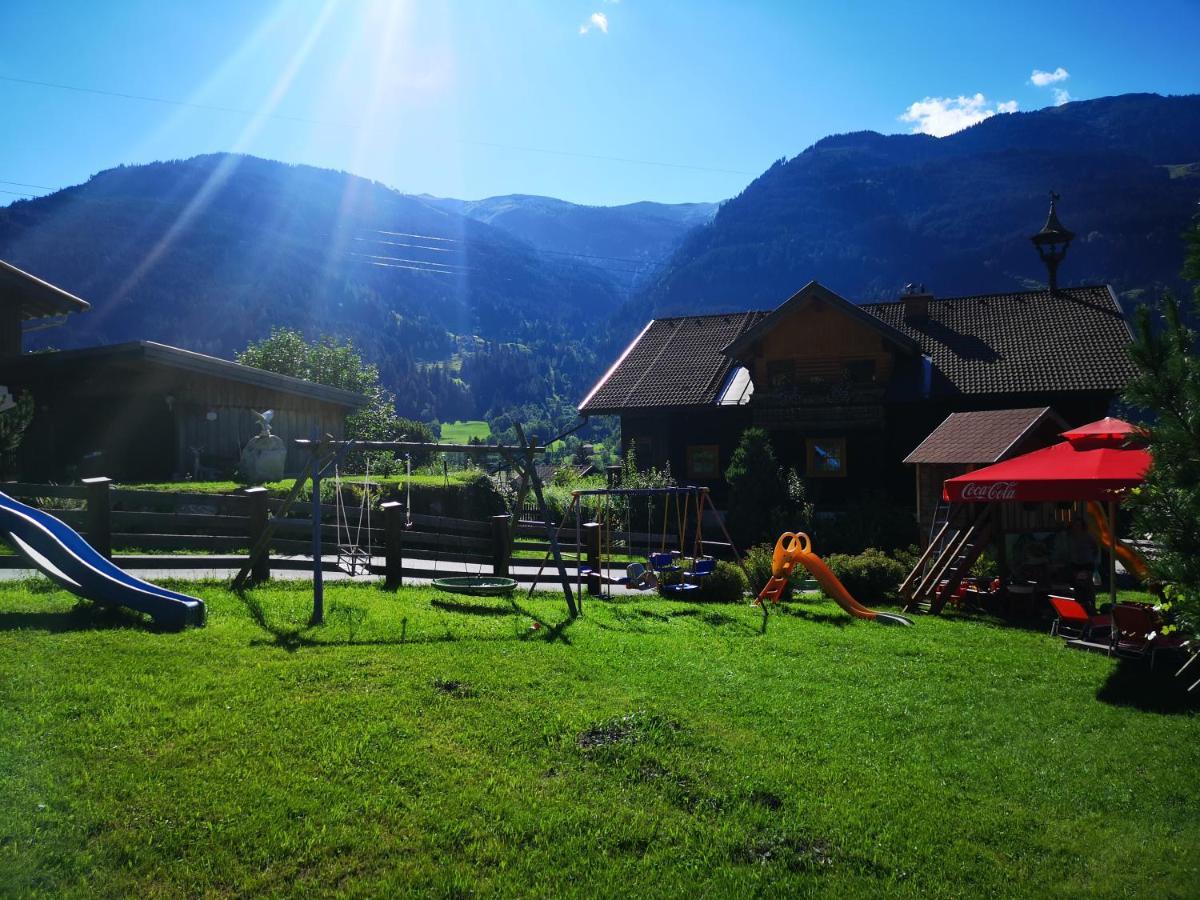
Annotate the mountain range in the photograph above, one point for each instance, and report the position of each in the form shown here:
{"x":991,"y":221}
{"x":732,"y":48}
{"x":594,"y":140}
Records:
{"x":629,"y":243}
{"x":514,"y":304}
{"x":866,"y":213}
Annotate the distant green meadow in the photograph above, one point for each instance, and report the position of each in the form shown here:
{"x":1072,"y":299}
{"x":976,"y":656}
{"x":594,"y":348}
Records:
{"x":463,"y":432}
{"x":427,"y":744}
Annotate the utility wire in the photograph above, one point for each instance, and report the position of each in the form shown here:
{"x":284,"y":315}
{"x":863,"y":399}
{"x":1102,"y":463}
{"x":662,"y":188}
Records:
{"x":306,"y":121}
{"x":44,"y":187}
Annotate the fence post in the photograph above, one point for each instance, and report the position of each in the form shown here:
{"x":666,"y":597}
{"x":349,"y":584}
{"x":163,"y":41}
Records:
{"x":591,"y":540}
{"x":99,"y":515}
{"x":393,"y":544}
{"x":500,"y":546}
{"x":256,"y":529}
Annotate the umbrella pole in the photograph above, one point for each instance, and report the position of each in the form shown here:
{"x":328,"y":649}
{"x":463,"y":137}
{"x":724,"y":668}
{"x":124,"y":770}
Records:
{"x":1113,"y":553}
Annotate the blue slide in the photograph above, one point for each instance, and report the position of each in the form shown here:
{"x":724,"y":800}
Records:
{"x":64,"y":556}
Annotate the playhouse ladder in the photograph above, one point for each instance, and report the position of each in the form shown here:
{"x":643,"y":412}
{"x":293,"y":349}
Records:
{"x":936,"y":551}
{"x":978,"y":536}
{"x":958,"y":543}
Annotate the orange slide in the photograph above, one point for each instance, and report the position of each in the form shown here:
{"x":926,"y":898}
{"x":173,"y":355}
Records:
{"x":792,"y":548}
{"x":1097,"y":525}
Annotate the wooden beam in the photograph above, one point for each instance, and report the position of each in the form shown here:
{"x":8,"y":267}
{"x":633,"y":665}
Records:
{"x":502,"y":449}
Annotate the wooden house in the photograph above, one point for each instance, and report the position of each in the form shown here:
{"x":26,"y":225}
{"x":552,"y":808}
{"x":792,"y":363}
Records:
{"x":846,"y":391}
{"x":144,"y":411}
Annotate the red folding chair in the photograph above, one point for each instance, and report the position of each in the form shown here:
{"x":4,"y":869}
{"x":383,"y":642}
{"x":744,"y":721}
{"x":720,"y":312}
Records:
{"x":1073,"y":620}
{"x":1137,"y":630}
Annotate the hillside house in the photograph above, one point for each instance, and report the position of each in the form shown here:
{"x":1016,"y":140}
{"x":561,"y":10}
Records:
{"x":143,"y":411}
{"x":847,"y":391}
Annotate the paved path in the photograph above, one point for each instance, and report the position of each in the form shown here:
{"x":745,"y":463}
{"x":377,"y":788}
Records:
{"x":227,"y":567}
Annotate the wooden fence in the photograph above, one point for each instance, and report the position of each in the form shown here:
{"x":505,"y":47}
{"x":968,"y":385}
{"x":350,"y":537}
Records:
{"x":159,"y":529}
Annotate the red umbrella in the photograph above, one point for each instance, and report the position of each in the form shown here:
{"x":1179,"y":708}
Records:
{"x":1099,"y":461}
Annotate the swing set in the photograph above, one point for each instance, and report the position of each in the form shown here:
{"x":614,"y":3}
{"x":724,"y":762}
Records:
{"x":680,"y":570}
{"x":326,"y":456}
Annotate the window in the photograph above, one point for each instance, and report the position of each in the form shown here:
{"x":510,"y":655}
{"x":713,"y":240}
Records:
{"x":826,"y":457}
{"x":703,"y":461}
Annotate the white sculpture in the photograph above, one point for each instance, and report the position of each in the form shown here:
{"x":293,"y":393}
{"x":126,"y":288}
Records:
{"x":264,"y":455}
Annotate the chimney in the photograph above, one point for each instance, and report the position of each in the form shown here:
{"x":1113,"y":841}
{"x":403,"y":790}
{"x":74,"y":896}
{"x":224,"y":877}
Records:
{"x":916,"y":303}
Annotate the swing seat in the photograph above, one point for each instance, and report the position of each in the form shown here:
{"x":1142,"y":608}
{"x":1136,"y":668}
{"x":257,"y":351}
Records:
{"x":476,"y":586}
{"x":680,"y":589}
{"x":702,"y":569}
{"x":663,"y":562}
{"x":353,"y":561}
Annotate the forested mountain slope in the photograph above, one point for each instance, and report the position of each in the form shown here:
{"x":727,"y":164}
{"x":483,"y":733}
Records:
{"x":865,"y":213}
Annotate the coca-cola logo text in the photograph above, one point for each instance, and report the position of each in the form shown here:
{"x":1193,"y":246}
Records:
{"x":999,"y":490}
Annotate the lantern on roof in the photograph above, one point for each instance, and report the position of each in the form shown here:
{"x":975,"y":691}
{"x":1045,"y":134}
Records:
{"x":1052,"y":242}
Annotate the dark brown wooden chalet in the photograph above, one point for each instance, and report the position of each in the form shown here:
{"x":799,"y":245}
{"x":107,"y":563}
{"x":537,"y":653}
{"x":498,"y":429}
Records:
{"x":142,"y":410}
{"x":146,"y":411}
{"x":847,"y":391}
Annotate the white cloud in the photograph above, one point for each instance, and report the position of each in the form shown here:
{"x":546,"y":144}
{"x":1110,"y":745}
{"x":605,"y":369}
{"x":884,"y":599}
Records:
{"x":1041,"y":79}
{"x":596,"y":20}
{"x":1061,"y":96}
{"x":941,"y":116}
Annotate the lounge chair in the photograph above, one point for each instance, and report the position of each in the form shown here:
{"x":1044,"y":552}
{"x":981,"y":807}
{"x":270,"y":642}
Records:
{"x":1073,"y":620}
{"x":1138,"y":631}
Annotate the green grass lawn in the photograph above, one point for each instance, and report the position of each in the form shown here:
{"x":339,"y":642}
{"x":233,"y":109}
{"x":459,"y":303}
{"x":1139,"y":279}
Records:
{"x":423,"y":744}
{"x":282,"y":488}
{"x":462,"y":432}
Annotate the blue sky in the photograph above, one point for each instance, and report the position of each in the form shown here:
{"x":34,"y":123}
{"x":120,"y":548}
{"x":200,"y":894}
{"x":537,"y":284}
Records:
{"x":596,"y":101}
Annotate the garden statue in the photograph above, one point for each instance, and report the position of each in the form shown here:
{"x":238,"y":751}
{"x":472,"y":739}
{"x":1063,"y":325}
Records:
{"x":264,"y":455}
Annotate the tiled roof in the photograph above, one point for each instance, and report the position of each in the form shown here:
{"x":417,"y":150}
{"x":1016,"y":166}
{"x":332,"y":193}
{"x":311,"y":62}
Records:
{"x":1074,"y":340}
{"x":1026,"y":342}
{"x":980,"y":438}
{"x":673,"y":362}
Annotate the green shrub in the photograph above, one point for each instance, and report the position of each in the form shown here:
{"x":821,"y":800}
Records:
{"x":871,"y":576}
{"x":726,"y":584}
{"x":907,"y":557}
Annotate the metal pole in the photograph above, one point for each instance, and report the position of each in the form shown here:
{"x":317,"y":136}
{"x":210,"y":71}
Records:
{"x":318,"y":612}
{"x":1112,"y":553}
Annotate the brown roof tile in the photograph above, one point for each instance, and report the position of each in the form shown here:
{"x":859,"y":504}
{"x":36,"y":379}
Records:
{"x":1074,"y":340}
{"x":674,"y":362}
{"x":1025,"y":342}
{"x":980,"y":438}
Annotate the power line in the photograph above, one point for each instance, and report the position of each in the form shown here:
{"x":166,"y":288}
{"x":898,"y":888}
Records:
{"x":424,"y":262}
{"x":44,"y":187}
{"x":424,"y":237}
{"x":144,"y":98}
{"x":475,"y":242}
{"x":163,"y":100}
